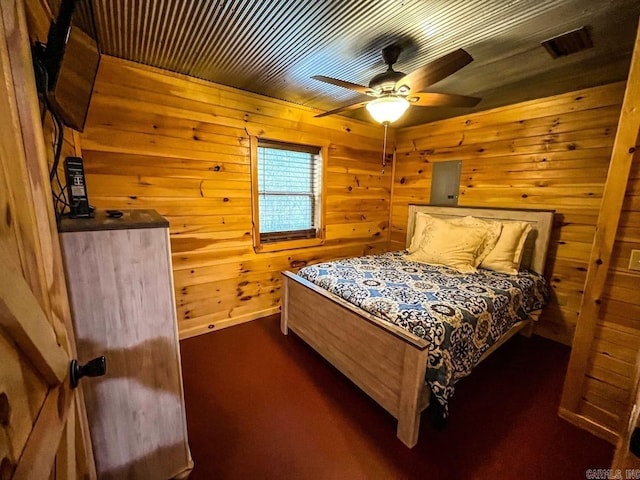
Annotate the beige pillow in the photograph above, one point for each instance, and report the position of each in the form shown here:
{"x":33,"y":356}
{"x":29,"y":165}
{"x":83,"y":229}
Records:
{"x":455,"y":246}
{"x":421,"y":222}
{"x":507,"y":254}
{"x":493,"y":227}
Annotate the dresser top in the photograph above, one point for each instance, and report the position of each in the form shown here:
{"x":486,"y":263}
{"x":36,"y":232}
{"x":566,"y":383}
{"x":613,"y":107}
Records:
{"x":131,"y":219}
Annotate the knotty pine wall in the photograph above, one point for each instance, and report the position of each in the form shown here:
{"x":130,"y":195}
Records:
{"x":551,"y":153}
{"x":609,"y":378}
{"x":159,"y":140}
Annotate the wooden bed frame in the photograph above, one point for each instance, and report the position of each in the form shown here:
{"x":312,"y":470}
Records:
{"x":384,"y":360}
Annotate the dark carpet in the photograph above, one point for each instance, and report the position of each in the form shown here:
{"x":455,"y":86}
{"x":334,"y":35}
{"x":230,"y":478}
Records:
{"x":263,"y":405}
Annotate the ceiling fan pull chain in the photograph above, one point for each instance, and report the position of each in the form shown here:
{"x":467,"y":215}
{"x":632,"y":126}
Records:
{"x":384,"y":148}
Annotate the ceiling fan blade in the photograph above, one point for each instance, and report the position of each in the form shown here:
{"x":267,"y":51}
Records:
{"x":344,"y":108}
{"x":428,"y":99}
{"x":435,"y":71}
{"x":341,"y":83}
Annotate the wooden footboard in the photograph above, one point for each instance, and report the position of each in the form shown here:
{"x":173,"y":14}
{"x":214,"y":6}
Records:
{"x":383,"y":360}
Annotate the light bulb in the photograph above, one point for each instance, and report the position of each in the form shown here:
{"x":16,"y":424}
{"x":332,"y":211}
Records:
{"x":387,"y":109}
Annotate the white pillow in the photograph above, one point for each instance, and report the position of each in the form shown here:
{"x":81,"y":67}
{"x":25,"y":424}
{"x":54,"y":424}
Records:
{"x":455,"y":246}
{"x":422,"y":220}
{"x":507,"y":254}
{"x":494,"y":229}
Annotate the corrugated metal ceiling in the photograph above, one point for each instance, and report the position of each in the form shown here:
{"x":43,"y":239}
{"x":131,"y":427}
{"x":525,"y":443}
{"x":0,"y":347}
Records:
{"x":274,"y":47}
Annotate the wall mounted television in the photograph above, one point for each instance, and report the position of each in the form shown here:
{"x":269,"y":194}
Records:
{"x":69,"y":62}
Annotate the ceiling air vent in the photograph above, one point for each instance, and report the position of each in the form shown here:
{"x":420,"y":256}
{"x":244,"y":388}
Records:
{"x":568,"y":43}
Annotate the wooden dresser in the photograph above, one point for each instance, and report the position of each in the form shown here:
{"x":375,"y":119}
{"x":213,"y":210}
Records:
{"x":121,"y":291}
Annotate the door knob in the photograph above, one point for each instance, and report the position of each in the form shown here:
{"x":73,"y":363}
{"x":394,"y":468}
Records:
{"x":93,"y":368}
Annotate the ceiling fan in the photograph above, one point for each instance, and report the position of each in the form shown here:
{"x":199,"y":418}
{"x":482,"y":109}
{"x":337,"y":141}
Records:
{"x":393,"y":92}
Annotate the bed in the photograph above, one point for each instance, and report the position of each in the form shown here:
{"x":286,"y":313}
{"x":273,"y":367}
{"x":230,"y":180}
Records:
{"x":385,"y":359}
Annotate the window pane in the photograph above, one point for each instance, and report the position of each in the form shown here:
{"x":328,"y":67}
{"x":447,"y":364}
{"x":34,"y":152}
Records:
{"x":280,"y":213}
{"x":284,"y":171}
{"x":288,"y":177}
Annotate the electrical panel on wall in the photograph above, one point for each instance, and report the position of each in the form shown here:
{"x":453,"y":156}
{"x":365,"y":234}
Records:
{"x":445,"y":183}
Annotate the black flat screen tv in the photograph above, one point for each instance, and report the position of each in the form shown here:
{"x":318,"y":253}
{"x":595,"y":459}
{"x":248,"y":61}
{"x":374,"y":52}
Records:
{"x":71,"y":59}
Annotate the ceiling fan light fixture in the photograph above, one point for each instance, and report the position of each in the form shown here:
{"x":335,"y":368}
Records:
{"x":387,"y":109}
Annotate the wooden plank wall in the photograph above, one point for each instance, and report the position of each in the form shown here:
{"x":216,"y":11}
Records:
{"x":551,"y":153}
{"x":601,"y":387}
{"x":159,"y":140}
{"x":610,"y":371}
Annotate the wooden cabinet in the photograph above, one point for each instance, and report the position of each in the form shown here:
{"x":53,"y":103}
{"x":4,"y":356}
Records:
{"x":121,"y":292}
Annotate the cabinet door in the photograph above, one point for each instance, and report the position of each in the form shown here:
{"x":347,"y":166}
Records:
{"x":445,"y":183}
{"x":120,"y":286}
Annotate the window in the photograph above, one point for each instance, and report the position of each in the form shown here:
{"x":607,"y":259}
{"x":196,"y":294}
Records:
{"x":287,"y":194}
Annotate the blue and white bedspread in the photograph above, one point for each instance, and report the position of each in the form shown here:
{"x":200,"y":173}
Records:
{"x":460,"y":314}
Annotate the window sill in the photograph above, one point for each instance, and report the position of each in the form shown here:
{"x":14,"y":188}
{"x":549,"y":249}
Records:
{"x":288,"y":245}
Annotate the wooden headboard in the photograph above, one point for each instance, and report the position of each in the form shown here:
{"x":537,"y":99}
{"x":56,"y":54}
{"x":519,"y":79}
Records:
{"x":535,"y":254}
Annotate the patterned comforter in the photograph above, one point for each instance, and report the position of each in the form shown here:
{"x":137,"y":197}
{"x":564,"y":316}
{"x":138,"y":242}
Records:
{"x":460,"y":314}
